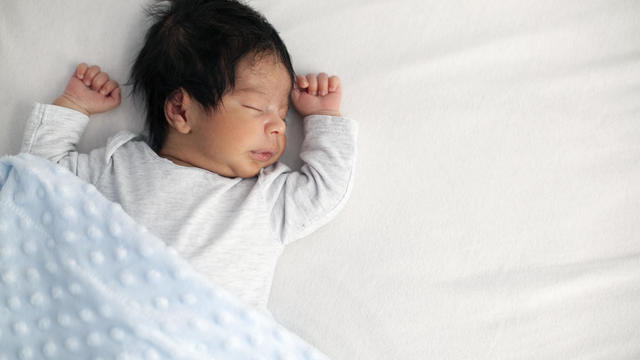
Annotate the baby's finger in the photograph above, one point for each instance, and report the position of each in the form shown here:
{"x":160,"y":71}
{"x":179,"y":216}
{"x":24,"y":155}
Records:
{"x":80,"y":70}
{"x":334,"y":83}
{"x":99,"y":80}
{"x":91,"y":72}
{"x":115,"y":96}
{"x":323,"y":84}
{"x":313,"y":84}
{"x":302,"y":82}
{"x":109,"y":87}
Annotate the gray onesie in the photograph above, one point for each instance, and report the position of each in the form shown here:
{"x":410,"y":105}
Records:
{"x":232,"y":230}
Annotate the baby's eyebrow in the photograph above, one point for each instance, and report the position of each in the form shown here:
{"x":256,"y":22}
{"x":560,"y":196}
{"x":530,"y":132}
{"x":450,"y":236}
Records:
{"x":250,"y":89}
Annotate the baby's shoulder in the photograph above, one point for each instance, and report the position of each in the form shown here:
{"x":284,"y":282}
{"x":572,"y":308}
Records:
{"x":125,"y":143}
{"x":273,"y":172}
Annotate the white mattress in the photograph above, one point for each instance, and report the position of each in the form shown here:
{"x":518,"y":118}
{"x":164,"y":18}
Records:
{"x":496,"y":209}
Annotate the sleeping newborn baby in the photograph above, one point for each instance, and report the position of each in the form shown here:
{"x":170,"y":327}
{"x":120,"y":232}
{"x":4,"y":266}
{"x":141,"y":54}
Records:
{"x":217,"y":81}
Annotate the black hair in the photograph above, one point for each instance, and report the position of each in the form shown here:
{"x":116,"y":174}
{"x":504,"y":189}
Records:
{"x":196,"y":45}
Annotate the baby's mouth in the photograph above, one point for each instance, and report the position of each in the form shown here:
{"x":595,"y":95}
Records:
{"x":262,"y":155}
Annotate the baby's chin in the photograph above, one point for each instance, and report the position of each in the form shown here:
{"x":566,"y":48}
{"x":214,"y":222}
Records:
{"x":252,"y":171}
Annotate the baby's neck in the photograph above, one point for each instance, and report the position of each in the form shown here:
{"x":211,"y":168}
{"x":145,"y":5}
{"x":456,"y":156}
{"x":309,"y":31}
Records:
{"x":175,"y":160}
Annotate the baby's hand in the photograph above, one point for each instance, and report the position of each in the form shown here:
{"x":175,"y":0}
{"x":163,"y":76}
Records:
{"x":317,"y":95}
{"x":90,"y":91}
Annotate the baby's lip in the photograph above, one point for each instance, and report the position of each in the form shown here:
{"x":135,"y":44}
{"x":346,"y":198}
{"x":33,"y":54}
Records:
{"x":263,"y":155}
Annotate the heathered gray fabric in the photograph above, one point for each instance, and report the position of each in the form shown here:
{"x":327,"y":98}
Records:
{"x":232,"y":230}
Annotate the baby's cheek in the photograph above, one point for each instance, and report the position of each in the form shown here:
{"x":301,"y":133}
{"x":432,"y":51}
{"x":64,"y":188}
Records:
{"x":283,"y":143}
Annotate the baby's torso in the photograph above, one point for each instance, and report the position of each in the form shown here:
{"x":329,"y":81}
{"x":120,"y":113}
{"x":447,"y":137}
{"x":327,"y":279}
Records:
{"x":221,"y":226}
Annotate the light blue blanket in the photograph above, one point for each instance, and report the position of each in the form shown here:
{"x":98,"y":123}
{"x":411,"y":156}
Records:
{"x":80,"y":279}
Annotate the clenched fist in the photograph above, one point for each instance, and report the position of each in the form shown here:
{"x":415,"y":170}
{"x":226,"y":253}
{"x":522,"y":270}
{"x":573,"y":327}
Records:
{"x":317,"y":95}
{"x":90,"y":91}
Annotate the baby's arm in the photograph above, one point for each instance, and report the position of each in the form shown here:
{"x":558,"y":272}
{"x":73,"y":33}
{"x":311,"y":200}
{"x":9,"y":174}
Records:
{"x":302,"y":201}
{"x":53,"y":131}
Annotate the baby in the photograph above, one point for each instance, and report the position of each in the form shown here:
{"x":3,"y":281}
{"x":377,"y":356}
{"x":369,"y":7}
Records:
{"x":217,"y":82}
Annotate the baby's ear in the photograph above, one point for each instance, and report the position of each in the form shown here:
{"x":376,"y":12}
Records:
{"x":174,"y":111}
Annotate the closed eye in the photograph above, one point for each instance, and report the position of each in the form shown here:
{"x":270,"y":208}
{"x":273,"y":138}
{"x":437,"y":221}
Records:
{"x":260,"y":110}
{"x":252,"y":108}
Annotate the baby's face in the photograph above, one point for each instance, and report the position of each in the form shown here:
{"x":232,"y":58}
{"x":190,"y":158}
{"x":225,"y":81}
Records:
{"x":247,"y":132}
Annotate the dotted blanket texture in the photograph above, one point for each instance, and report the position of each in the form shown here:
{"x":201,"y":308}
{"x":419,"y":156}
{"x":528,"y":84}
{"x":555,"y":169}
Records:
{"x":80,"y":279}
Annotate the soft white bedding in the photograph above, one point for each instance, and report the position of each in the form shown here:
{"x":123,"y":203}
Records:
{"x":496,"y":209}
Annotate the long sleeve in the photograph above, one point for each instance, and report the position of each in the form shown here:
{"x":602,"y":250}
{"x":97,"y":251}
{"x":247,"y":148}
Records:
{"x":52,"y":132}
{"x":302,"y":201}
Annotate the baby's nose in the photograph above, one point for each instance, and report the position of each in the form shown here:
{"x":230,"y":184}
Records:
{"x":276,"y":126}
